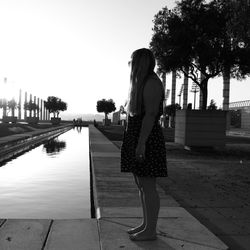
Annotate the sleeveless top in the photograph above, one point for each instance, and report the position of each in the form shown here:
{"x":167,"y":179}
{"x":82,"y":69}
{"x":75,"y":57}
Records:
{"x":160,"y":109}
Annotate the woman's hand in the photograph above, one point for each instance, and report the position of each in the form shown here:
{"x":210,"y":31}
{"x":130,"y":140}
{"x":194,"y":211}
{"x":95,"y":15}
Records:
{"x":140,"y":152}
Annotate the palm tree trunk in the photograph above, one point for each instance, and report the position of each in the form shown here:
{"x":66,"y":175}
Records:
{"x":164,"y":101}
{"x":185,"y":90}
{"x":171,"y":118}
{"x":173,"y":87}
{"x":12,"y":112}
{"x":201,"y":93}
{"x":4,"y":107}
{"x":204,"y":96}
{"x":226,"y":87}
{"x":226,"y":93}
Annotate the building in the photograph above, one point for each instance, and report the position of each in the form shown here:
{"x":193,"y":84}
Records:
{"x":240,"y":114}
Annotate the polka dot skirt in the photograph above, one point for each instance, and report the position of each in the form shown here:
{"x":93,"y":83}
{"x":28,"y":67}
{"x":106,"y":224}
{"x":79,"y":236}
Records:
{"x":155,"y":163}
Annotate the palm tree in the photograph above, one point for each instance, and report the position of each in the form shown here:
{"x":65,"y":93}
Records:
{"x":12,"y":105}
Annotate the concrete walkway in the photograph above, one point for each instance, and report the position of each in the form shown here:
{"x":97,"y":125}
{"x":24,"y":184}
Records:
{"x":118,"y":208}
{"x":18,"y":234}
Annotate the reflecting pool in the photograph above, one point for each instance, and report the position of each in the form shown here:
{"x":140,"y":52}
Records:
{"x":51,"y":181}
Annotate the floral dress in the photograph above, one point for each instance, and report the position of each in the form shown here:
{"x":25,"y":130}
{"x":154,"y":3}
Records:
{"x":155,"y":162}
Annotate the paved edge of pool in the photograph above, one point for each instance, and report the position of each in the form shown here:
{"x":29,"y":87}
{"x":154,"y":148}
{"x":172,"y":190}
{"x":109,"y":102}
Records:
{"x":117,"y":207}
{"x":14,"y":145}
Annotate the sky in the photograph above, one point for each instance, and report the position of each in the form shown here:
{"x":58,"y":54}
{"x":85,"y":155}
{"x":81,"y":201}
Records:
{"x":78,"y":50}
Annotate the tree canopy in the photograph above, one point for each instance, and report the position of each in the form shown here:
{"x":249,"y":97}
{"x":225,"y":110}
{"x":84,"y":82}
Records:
{"x":30,"y":106}
{"x":105,"y":106}
{"x":170,"y":110}
{"x":55,"y":105}
{"x":196,"y":38}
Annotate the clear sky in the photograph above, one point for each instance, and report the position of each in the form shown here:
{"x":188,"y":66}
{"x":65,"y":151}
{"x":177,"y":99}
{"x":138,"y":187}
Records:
{"x":79,"y":50}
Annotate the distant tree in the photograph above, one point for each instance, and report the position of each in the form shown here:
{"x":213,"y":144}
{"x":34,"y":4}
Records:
{"x":105,"y":106}
{"x":12,"y":105}
{"x":212,"y":105}
{"x":31,"y":106}
{"x":193,"y":39}
{"x":55,"y":105}
{"x":2,"y":103}
{"x":170,"y":111}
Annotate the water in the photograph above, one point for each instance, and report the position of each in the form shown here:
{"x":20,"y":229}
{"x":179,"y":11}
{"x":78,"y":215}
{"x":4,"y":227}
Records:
{"x":51,"y":181}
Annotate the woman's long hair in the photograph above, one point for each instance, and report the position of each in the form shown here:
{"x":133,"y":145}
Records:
{"x":142,"y":66}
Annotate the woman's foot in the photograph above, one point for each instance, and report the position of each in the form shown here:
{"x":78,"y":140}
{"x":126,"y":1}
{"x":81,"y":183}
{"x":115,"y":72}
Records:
{"x":136,"y":229}
{"x":143,"y":236}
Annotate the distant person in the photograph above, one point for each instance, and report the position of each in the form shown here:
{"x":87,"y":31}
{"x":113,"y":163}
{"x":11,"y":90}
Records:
{"x":143,"y":150}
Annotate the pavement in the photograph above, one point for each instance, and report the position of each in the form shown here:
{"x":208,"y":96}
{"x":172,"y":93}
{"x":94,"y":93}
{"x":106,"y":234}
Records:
{"x":118,"y":207}
{"x":214,"y":186}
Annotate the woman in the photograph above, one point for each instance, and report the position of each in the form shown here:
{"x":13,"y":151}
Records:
{"x":143,"y":150}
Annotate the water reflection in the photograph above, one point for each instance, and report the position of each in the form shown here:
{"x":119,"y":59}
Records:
{"x":78,"y":128}
{"x":54,"y":146}
{"x":38,"y":186}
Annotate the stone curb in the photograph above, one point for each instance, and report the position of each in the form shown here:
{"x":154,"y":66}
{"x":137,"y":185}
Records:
{"x":13,"y":145}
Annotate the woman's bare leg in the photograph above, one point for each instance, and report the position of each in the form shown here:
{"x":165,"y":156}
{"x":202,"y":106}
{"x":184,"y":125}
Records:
{"x":152,"y":205}
{"x":141,"y":195}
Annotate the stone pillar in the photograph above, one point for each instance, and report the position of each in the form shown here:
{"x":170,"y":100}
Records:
{"x":25,"y":101}
{"x":19,"y":105}
{"x":38,"y":108}
{"x":173,"y":87}
{"x":44,"y":111}
{"x":30,"y":112}
{"x":185,"y":91}
{"x":35,"y":109}
{"x":41,"y":109}
{"x":4,"y":98}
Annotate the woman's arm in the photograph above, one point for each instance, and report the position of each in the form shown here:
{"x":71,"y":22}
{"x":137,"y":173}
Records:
{"x":152,"y":97}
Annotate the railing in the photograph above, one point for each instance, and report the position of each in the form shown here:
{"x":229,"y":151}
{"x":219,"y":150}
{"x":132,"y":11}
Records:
{"x":240,"y":104}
